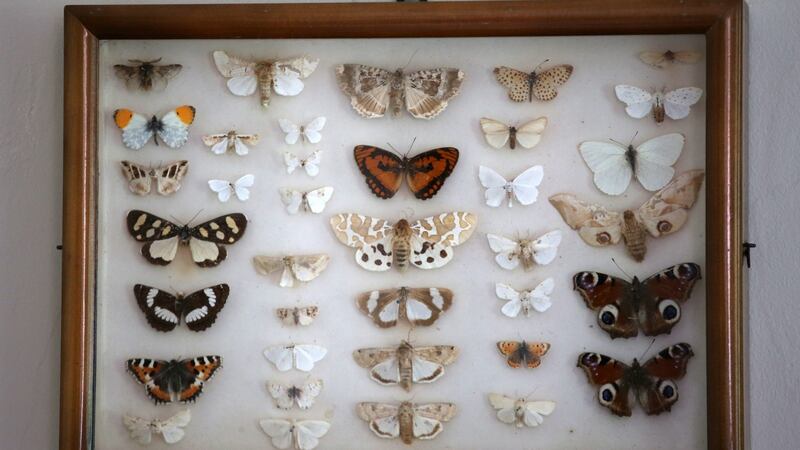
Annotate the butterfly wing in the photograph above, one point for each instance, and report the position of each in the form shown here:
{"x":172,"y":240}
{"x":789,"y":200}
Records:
{"x":662,"y":296}
{"x":544,"y":248}
{"x":638,"y":102}
{"x":291,"y":129}
{"x":292,"y":162}
{"x":383,"y":170}
{"x":198,"y":370}
{"x":382,"y":418}
{"x":495,"y":186}
{"x":529,"y":134}
{"x":612,"y":299}
{"x":172,"y":428}
{"x":138,"y":177}
{"x":677,"y":103}
{"x":546,"y":82}
{"x":433,"y":238}
{"x":241,"y":74}
{"x":222,"y":188}
{"x":308,"y":432}
{"x":160,"y":308}
{"x":668,"y":365}
{"x":654,"y":160}
{"x":308,"y":267}
{"x":533,"y":411}
{"x":427,"y":92}
{"x":427,"y":171}
{"x":533,"y":352}
{"x":508,"y":251}
{"x":510,"y":349}
{"x":318,"y":198}
{"x":202,"y":307}
{"x":242,"y":186}
{"x":372,"y":237}
{"x":539,"y":297}
{"x":609,"y":163}
{"x":311,"y":164}
{"x":312,"y":130}
{"x":149,"y":372}
{"x":139,"y":428}
{"x":279,"y":430}
{"x":293,"y":199}
{"x":208,"y":240}
{"x":516,"y":81}
{"x":596,"y":225}
{"x":368,"y":88}
{"x":174,"y":129}
{"x":525,"y":185}
{"x":160,"y":236}
{"x":168,"y":179}
{"x":667,"y":210}
{"x":495,"y":132}
{"x":135,"y":128}
{"x":513,"y":300}
{"x":609,"y":375}
{"x":306,"y":355}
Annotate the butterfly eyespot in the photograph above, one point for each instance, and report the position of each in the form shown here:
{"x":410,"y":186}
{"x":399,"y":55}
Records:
{"x":607,"y":394}
{"x":664,"y":226}
{"x":586,"y":280}
{"x":686,"y":271}
{"x":669,"y":310}
{"x":603,"y":238}
{"x":679,"y":350}
{"x":667,"y":389}
{"x":590,"y":359}
{"x":608,"y":315}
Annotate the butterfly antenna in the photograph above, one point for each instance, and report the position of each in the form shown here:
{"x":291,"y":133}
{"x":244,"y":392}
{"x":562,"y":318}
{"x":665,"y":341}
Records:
{"x":634,"y":137}
{"x":618,"y":142}
{"x":621,"y":269}
{"x":392,"y":147}
{"x":652,"y":341}
{"x":411,"y":146}
{"x":541,"y":64}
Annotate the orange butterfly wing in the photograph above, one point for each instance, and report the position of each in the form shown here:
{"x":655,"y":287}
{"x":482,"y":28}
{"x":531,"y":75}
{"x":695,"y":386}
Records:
{"x":427,"y":171}
{"x":383,"y":170}
{"x":510,"y":350}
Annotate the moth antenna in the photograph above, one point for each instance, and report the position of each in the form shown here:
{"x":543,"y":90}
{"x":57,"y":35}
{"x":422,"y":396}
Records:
{"x":409,"y":59}
{"x":652,"y":341}
{"x":621,"y":269}
{"x":176,"y":219}
{"x":194,"y":217}
{"x":408,"y":336}
{"x":540,"y":64}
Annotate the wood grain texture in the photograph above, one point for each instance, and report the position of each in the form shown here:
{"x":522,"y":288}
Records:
{"x":720,"y":20}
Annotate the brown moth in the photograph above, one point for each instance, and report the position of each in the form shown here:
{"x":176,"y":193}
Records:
{"x":418,"y":306}
{"x":661,"y":60}
{"x":296,"y":268}
{"x":299,"y":315}
{"x":168,"y":178}
{"x":405,"y":364}
{"x":230,"y":142}
{"x":665,"y":213}
{"x":147,"y":75}
{"x":406,"y":420}
{"x":425,"y":93}
{"x":541,"y":85}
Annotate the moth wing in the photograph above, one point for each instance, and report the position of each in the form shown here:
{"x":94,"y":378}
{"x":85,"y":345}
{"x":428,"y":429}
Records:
{"x":134,"y":126}
{"x":533,"y":412}
{"x":668,"y":365}
{"x":368,"y":88}
{"x":243,"y":86}
{"x":677,"y":103}
{"x":516,"y":81}
{"x":318,"y":198}
{"x":612,"y":171}
{"x":309,"y":392}
{"x":525,"y":185}
{"x":242,"y":186}
{"x":513,"y":300}
{"x":312,"y":130}
{"x":308,"y":267}
{"x":382,"y":363}
{"x":308,"y":432}
{"x":139,"y":428}
{"x":596,"y":225}
{"x":507,"y":251}
{"x":202,"y":307}
{"x":371,"y":236}
{"x":667,"y":210}
{"x":654,"y":160}
{"x":424,"y":305}
{"x":222,"y":188}
{"x":687,"y":57}
{"x":655,"y":59}
{"x":280,"y":393}
{"x":174,"y":130}
{"x":265,"y":265}
{"x":428,"y":418}
{"x":241,"y":74}
{"x":286,"y":81}
{"x":281,"y":356}
{"x":172,"y":428}
{"x":540,"y":296}
{"x":306,"y":355}
{"x":639,"y":102}
{"x":495,"y":132}
{"x":529,"y":134}
{"x":292,"y":199}
{"x":428,"y":92}
{"x":505,"y":406}
{"x":546,"y":82}
{"x":381,"y":306}
{"x":280,"y":430}
{"x":311,"y":164}
{"x":168,"y":179}
{"x":130,"y":74}
{"x":220,"y":147}
{"x":382,"y":418}
{"x":291,"y":161}
{"x":291,"y":129}
{"x":161,"y":235}
{"x":138,"y":177}
{"x":240,"y":146}
{"x":450,"y":229}
{"x":545,"y":247}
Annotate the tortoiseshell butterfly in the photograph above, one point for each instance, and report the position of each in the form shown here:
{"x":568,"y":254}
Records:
{"x":168,"y":381}
{"x":425,"y":172}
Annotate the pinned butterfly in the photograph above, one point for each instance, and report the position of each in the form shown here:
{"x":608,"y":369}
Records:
{"x":674,"y":104}
{"x":527,"y":135}
{"x":528,"y":252}
{"x":245,"y":76}
{"x":172,"y":128}
{"x":205,"y":241}
{"x":541,"y":85}
{"x":171,"y":429}
{"x":523,"y":354}
{"x":230,"y":142}
{"x":424,"y":93}
{"x":425,"y":173}
{"x":225,"y":189}
{"x":663,"y":214}
{"x":174,"y":380}
{"x":168,"y":178}
{"x":524,"y":188}
{"x":296,"y":268}
{"x":426,"y":244}
{"x":525,"y":301}
{"x":147,"y":75}
{"x":164,"y":310}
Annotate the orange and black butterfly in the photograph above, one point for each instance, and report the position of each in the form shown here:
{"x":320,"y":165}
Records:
{"x":523,"y":354}
{"x":426,"y":172}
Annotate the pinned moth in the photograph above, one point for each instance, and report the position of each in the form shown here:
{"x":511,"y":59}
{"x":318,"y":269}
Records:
{"x":523,"y":354}
{"x":205,"y":241}
{"x":521,"y":412}
{"x":230,"y":142}
{"x":309,"y":132}
{"x":292,"y":433}
{"x":541,"y":85}
{"x":662,"y":60}
{"x":527,"y":135}
{"x":674,"y":104}
{"x":651,"y":162}
{"x":147,"y":75}
{"x":168,"y":178}
{"x":512,"y":253}
{"x":525,"y":301}
{"x":313,"y":201}
{"x":425,"y":173}
{"x":406,"y":420}
{"x":524,"y":188}
{"x":664,"y":213}
{"x":405,"y":364}
{"x":310,"y":164}
{"x":424,"y":93}
{"x":171,"y":429}
{"x":426,"y":244}
{"x":245,"y":76}
{"x":163,"y":310}
{"x":299,"y":315}
{"x":172,"y":128}
{"x":653,"y":304}
{"x":653,"y":382}
{"x":174,"y":380}
{"x":296,"y":268}
{"x":417,"y":306}
{"x":300,"y":356}
{"x":286,"y":396}
{"x":225,"y":189}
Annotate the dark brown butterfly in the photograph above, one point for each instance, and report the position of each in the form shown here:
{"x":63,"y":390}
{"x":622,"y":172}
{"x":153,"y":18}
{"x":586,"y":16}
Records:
{"x":174,"y":380}
{"x":523,"y":353}
{"x":147,"y":75}
{"x":164,"y":311}
{"x":425,"y":172}
{"x":652,"y":382}
{"x":653,"y":304}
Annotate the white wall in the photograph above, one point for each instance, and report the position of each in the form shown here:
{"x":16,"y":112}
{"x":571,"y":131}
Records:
{"x":30,"y":181}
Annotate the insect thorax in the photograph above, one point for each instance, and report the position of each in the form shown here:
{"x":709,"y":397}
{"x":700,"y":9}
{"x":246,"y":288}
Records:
{"x":630,"y":156}
{"x":184,"y":235}
{"x":636,"y":377}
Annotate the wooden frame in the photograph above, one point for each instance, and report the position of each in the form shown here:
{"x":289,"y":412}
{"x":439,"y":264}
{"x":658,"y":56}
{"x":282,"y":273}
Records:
{"x":719,"y":20}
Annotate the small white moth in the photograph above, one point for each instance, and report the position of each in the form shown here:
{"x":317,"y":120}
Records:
{"x":524,"y":188}
{"x":525,"y":301}
{"x":310,"y":132}
{"x":521,"y":412}
{"x":240,"y":187}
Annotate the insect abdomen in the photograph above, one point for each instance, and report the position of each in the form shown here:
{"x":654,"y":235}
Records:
{"x":634,"y":235}
{"x":401,"y":249}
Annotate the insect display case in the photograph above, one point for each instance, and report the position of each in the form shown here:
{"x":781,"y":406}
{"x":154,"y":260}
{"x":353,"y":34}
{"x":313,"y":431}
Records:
{"x":560,"y":183}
